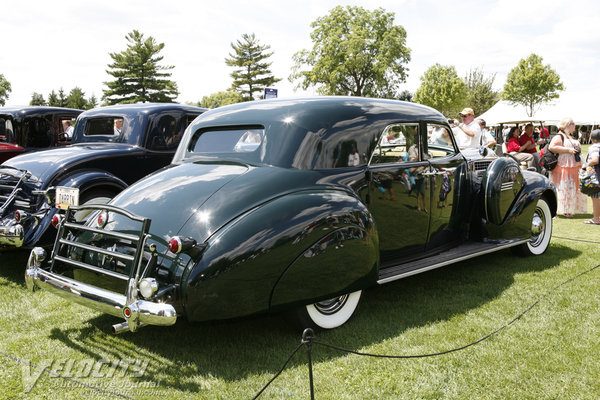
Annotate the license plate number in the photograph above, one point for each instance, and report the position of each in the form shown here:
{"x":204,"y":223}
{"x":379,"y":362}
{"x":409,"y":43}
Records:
{"x":66,"y":197}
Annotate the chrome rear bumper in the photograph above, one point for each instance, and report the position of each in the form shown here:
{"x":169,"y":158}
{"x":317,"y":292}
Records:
{"x":11,"y":235}
{"x":137,"y":312}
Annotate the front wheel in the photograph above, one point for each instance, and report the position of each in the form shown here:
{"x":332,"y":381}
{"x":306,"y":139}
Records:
{"x":328,"y":314}
{"x":541,"y":229}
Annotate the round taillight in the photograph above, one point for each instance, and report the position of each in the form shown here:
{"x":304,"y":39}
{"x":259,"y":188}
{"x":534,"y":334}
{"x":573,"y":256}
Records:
{"x":102,"y":219}
{"x":127,"y":312}
{"x":56,"y":220}
{"x":20,"y":215}
{"x":175,"y":245}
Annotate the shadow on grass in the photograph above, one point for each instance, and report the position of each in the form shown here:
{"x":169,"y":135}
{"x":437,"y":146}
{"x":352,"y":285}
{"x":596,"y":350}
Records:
{"x":12,"y":265}
{"x":233,"y":350}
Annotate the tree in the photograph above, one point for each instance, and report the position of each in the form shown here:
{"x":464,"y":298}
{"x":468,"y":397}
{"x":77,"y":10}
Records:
{"x":356,"y":52}
{"x":252,"y":73}
{"x":37,"y":99}
{"x":53,"y":99}
{"x":5,"y":89}
{"x":480,"y":93}
{"x":138,"y":75}
{"x":221,"y":99}
{"x":92,"y":102}
{"x":62,"y":99}
{"x":405,"y":95}
{"x":442,"y":89}
{"x":531,"y":84}
{"x":76,"y":99}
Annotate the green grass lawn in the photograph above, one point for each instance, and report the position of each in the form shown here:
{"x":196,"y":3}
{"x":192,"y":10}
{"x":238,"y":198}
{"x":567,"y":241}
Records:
{"x":552,"y":352}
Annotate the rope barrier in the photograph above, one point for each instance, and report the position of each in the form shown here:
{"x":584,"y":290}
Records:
{"x":308,"y":339}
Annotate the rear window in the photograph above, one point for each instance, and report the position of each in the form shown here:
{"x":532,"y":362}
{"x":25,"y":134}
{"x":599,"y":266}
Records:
{"x":111,"y":126}
{"x":242,"y":140}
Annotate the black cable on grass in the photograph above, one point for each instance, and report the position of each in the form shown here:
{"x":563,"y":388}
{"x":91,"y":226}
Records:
{"x":308,"y":338}
{"x":302,"y":343}
{"x":576,"y":240}
{"x":535,"y":303}
{"x":96,"y":388}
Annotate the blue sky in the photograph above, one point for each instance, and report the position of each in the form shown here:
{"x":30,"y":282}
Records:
{"x":54,"y":44}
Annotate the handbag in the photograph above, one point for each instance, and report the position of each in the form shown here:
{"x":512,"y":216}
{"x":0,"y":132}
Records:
{"x":548,"y":159}
{"x":588,"y":181}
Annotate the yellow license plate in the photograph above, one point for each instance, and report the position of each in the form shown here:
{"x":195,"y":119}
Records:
{"x":66,"y":196}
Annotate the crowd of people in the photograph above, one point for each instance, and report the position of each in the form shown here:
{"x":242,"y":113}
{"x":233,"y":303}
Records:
{"x":525,"y":146}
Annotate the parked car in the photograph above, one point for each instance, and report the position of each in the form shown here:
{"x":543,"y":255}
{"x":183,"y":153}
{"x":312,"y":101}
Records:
{"x":112,"y":148}
{"x":33,"y":128}
{"x":292,"y":204}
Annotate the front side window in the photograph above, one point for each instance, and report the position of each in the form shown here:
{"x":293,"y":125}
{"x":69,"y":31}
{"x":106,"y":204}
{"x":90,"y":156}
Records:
{"x":165,"y":133}
{"x":439,"y":141}
{"x":398,"y":143}
{"x":223,"y":141}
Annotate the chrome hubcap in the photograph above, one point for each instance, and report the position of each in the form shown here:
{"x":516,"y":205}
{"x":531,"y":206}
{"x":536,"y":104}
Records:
{"x":331,"y":306}
{"x":537,"y":227}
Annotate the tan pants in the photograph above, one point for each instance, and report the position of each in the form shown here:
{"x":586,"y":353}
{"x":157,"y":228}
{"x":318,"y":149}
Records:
{"x":526,"y":157}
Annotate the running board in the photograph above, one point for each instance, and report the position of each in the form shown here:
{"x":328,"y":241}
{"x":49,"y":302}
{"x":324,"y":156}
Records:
{"x":454,"y":255}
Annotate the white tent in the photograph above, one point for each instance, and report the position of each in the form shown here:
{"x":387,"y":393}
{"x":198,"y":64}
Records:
{"x":550,"y":114}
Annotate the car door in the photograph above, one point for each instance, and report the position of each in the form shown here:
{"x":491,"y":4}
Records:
{"x":446,"y":165}
{"x":399,"y":192}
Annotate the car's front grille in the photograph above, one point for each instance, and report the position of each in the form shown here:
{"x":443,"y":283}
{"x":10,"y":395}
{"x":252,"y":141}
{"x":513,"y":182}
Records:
{"x":481,"y":166}
{"x":11,"y":192}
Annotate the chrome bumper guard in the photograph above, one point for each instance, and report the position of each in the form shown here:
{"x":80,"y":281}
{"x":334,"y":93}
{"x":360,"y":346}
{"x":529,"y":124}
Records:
{"x":11,"y":235}
{"x":136,"y":313}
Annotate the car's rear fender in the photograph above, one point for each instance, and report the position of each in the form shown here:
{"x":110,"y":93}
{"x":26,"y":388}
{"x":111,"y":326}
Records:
{"x":252,"y":261}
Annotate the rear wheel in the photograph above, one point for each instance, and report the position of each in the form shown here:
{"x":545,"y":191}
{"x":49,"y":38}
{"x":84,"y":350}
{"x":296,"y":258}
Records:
{"x":541,"y":229}
{"x":328,"y":314}
{"x":95,"y":197}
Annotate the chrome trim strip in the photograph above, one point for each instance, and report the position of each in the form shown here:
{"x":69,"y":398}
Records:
{"x":115,"y":254}
{"x":149,"y":313}
{"x":454,"y":260}
{"x":91,"y":268}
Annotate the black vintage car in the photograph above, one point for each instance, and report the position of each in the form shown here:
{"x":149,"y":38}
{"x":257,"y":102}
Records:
{"x":33,"y":128}
{"x":112,"y":148}
{"x":292,"y":204}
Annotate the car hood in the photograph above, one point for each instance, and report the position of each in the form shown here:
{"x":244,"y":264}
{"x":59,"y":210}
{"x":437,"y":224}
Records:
{"x":196,"y":199}
{"x":46,"y":164}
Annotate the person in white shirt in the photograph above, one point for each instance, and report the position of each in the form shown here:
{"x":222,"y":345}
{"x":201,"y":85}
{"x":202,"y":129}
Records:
{"x":470,"y":132}
{"x":68,"y":128}
{"x":487,"y":139}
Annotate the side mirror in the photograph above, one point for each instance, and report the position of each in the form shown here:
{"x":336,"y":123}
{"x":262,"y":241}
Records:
{"x":483,"y":151}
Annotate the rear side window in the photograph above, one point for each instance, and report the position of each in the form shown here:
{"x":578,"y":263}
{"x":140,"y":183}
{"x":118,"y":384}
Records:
{"x":243,"y":140}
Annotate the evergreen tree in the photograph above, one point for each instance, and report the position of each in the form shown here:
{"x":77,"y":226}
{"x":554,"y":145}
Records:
{"x":62,"y":99}
{"x":91,"y":103}
{"x":252,"y":73}
{"x":53,"y":99}
{"x":76,"y":99}
{"x":37,"y":99}
{"x":138,"y":75}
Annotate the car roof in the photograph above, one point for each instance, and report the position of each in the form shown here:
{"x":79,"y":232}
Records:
{"x":305,"y":132}
{"x":29,"y":111}
{"x":140,"y":108}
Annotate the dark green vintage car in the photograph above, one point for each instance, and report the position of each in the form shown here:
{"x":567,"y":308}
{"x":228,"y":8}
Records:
{"x":293,"y":205}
